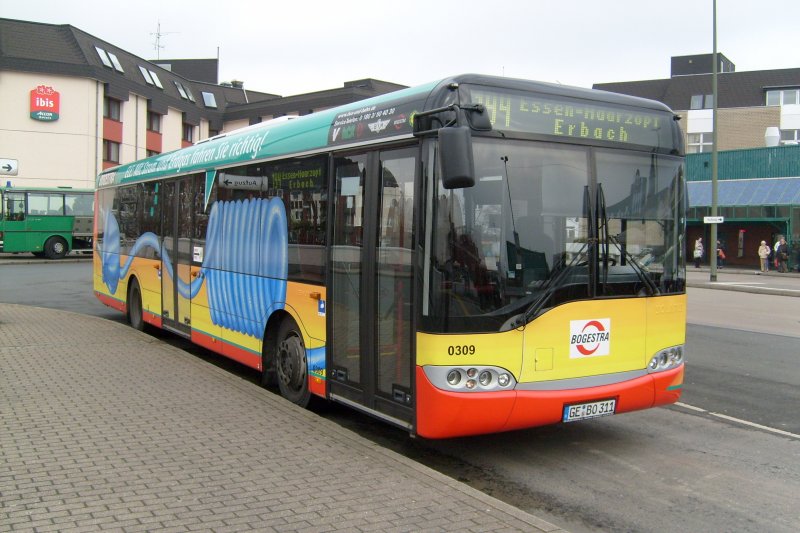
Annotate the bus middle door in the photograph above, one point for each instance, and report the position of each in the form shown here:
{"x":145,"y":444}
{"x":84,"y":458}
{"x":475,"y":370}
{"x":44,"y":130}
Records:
{"x":176,"y":255}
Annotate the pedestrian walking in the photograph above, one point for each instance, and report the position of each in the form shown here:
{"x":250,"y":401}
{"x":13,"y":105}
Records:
{"x":763,"y":256}
{"x":698,"y":251}
{"x":720,"y":255}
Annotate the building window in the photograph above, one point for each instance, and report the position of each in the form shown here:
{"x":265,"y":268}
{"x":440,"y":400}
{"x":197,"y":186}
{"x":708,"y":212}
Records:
{"x":115,"y":61}
{"x":154,"y":122}
{"x":151,"y":153}
{"x":111,"y":108}
{"x":150,"y":77}
{"x":783,"y":97}
{"x":790,"y":136}
{"x":110,"y":151}
{"x":181,"y":90}
{"x":188,"y":133}
{"x":103,"y":57}
{"x":702,"y":101}
{"x":209,"y":100}
{"x":146,"y":75}
{"x":698,"y":143}
{"x":108,"y":59}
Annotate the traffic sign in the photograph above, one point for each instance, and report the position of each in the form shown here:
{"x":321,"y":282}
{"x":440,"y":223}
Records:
{"x":713,"y":220}
{"x":8,"y":167}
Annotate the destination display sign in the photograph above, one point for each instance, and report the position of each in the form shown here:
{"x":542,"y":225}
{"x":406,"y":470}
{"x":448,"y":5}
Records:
{"x":574,"y":118}
{"x":298,"y":176}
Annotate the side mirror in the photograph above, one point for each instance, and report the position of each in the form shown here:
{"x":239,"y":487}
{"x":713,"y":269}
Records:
{"x":455,"y":153}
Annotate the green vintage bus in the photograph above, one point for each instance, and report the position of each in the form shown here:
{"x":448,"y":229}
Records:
{"x":47,"y":222}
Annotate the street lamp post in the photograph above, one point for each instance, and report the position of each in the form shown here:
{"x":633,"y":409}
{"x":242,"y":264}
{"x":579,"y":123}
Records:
{"x":713,"y":240}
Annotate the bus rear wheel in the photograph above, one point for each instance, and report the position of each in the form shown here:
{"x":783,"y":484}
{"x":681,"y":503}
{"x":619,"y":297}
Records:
{"x":55,"y":248}
{"x":134,"y":304}
{"x":291,"y":364}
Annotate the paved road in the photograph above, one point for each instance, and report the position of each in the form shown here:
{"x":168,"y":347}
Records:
{"x":676,"y":468}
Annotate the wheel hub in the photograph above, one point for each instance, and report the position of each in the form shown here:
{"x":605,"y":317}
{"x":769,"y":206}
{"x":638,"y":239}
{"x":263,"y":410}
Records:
{"x":291,"y":362}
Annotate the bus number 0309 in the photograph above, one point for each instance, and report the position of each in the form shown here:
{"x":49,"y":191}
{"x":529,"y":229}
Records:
{"x":461,"y":349}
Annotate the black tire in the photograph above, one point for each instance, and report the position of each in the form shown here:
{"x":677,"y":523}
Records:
{"x":134,"y":304}
{"x":55,"y":248}
{"x":291,"y":365}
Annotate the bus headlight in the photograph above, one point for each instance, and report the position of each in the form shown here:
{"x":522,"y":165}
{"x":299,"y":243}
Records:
{"x":470,"y":379}
{"x":454,"y":377}
{"x":666,"y":359}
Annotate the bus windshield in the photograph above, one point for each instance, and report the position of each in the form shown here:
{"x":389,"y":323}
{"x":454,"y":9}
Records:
{"x":546,"y":224}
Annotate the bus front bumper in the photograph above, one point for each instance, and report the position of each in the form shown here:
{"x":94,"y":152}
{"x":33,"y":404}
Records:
{"x":444,"y":414}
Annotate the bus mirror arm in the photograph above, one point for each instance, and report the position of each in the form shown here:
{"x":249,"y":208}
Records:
{"x":473,"y":116}
{"x":455,"y":141}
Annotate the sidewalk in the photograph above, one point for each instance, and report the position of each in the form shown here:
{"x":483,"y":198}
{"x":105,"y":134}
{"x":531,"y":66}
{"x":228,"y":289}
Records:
{"x":104,"y":427}
{"x":745,"y":280}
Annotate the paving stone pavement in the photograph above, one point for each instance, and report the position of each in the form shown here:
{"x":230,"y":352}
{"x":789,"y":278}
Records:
{"x":106,"y":428}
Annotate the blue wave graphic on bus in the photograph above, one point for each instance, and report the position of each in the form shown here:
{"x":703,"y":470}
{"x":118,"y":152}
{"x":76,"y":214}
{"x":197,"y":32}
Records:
{"x":245,"y":263}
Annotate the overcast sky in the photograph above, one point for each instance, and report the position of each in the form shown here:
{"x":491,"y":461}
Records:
{"x":295,"y":46}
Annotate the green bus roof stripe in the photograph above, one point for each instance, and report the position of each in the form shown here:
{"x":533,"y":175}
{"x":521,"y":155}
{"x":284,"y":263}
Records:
{"x":306,"y":133}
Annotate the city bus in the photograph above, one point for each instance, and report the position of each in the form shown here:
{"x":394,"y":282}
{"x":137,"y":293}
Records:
{"x":47,"y":222}
{"x":473,"y":255}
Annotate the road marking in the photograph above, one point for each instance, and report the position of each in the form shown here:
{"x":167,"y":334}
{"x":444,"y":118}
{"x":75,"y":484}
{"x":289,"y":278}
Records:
{"x":756,"y":285}
{"x":739,"y":420}
{"x":692,"y":407}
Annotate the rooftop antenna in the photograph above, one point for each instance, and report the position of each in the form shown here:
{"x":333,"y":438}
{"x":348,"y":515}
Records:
{"x":157,"y":44}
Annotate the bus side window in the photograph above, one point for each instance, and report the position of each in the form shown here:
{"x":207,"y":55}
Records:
{"x":15,"y":206}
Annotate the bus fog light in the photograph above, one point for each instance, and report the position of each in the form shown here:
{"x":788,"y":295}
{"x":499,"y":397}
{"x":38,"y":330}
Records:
{"x":453,"y":377}
{"x":472,"y":372}
{"x":471,"y":383}
{"x":503,"y":379}
{"x":485,"y":378}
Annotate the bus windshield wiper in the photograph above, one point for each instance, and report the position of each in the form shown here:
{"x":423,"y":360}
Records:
{"x":607,"y":237}
{"x":550,"y":287}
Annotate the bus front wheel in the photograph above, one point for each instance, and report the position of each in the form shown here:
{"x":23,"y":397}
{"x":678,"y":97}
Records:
{"x":135,"y":306}
{"x":291,"y":364}
{"x":55,"y":248}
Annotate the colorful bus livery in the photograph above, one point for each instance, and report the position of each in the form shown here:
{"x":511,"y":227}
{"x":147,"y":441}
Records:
{"x":48,"y":222}
{"x":447,"y":258}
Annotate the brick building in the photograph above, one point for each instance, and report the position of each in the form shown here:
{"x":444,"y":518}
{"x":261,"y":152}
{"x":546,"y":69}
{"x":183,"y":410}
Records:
{"x":758,"y":132}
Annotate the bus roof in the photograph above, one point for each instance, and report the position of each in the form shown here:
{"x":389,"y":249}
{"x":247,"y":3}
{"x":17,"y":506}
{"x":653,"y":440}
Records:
{"x":380,"y":117}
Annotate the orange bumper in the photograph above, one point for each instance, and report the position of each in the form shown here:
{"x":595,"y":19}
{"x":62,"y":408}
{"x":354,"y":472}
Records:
{"x":443,"y":414}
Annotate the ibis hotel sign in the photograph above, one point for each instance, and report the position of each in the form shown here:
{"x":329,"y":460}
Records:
{"x":45,"y":104}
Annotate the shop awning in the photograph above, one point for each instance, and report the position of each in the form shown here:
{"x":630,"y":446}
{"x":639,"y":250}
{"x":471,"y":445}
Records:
{"x":770,"y":191}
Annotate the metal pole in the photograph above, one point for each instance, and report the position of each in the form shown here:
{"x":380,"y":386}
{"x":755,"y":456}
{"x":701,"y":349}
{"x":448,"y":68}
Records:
{"x":712,"y":245}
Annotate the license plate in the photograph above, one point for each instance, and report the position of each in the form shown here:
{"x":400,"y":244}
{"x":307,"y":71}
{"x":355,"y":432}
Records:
{"x":582,"y":411}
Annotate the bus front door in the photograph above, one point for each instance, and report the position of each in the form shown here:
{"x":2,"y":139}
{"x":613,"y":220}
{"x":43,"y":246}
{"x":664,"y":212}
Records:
{"x":370,"y":314}
{"x":176,"y":254}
